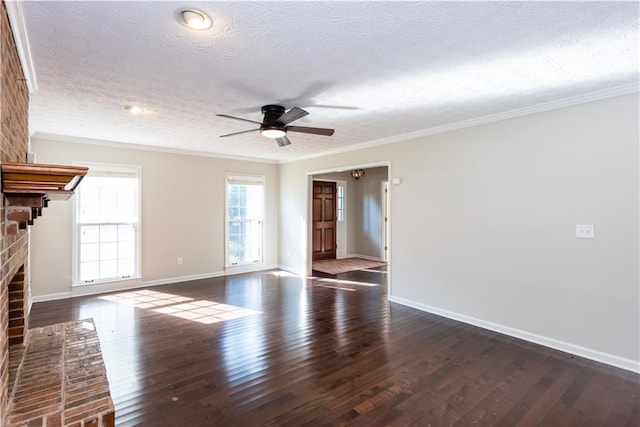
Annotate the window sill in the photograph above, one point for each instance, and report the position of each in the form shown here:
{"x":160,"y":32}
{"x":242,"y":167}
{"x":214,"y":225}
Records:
{"x":106,"y":286}
{"x":107,"y":281}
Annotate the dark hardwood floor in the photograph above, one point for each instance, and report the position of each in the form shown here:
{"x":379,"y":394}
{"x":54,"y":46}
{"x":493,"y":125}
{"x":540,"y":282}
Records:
{"x":269,"y":349}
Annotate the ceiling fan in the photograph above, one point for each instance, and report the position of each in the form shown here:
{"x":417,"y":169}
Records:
{"x":274,"y":124}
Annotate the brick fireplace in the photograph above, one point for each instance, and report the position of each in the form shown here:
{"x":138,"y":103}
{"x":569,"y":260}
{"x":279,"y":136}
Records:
{"x":68,"y":355}
{"x":14,"y":242}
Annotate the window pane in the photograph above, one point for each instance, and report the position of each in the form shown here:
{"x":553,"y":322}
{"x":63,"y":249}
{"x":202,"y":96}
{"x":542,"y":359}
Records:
{"x":108,"y":233}
{"x":125,"y":250}
{"x":126,"y":202}
{"x":90,"y":252}
{"x":108,"y":251}
{"x":126,"y":233}
{"x":125,"y":267}
{"x":340,"y":203}
{"x":108,"y":214}
{"x":108,"y":269}
{"x":90,"y":213}
{"x":91,"y":196}
{"x":108,"y":196}
{"x":89,"y":270}
{"x":89,"y":233}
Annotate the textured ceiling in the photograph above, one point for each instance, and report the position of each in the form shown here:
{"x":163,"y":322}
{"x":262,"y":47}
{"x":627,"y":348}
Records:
{"x":370,"y":70}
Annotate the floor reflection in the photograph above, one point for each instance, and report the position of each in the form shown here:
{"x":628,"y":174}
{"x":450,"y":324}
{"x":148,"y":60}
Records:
{"x":202,"y":311}
{"x":116,"y":323}
{"x":188,"y":348}
{"x":243,"y":353}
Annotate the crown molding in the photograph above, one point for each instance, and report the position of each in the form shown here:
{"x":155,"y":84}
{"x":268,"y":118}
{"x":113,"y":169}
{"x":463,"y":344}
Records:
{"x":492,"y":118}
{"x":140,"y":147}
{"x":19,"y":29}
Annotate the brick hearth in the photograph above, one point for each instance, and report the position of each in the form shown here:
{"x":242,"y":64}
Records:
{"x":62,"y":380}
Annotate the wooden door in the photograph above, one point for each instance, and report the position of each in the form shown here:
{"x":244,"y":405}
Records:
{"x":324,"y":220}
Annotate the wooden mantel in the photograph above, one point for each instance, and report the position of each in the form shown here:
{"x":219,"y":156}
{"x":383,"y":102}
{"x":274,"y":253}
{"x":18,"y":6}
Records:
{"x":28,"y":187}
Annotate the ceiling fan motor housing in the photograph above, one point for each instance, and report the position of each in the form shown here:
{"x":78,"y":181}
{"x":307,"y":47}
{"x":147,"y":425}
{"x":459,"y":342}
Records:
{"x":272,"y":112}
{"x":271,"y":115}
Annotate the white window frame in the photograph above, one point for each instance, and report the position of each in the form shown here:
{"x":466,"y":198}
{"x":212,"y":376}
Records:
{"x":113,"y":168}
{"x":243,"y":177}
{"x":341,"y":226}
{"x":341,"y":213}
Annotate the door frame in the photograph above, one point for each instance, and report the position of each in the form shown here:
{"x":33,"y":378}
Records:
{"x":384,"y":198}
{"x":306,"y":238}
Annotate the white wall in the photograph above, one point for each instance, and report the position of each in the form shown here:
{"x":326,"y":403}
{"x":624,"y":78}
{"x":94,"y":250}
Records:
{"x":182,"y":216}
{"x":368,"y":211}
{"x":483,"y":225}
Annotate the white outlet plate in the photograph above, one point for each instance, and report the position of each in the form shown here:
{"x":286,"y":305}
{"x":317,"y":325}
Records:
{"x":179,"y":260}
{"x":585,"y":231}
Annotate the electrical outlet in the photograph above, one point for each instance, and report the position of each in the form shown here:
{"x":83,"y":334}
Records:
{"x":179,"y":260}
{"x":585,"y":231}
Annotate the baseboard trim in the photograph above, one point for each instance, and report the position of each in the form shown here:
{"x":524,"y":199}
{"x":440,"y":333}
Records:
{"x":103,"y":288}
{"x":230,"y":271}
{"x":292,"y":270}
{"x":368,"y":257}
{"x":51,"y":297}
{"x":587,"y":353}
{"x":180,"y":279}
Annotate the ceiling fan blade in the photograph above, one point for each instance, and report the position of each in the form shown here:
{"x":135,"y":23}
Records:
{"x":283,"y":141}
{"x":238,"y":133}
{"x":293,"y":114}
{"x":238,"y":118}
{"x":315,"y":131}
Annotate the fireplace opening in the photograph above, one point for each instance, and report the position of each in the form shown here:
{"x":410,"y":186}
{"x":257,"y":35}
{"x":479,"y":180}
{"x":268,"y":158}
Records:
{"x":16,"y":325}
{"x":17,"y":319}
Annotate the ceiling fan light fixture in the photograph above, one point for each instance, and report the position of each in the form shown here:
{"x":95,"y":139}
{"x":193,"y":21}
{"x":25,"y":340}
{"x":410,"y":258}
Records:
{"x":195,"y":19}
{"x":272,"y":132}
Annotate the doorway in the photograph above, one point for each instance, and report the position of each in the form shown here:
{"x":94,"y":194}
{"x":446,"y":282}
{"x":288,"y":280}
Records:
{"x":362,"y":220}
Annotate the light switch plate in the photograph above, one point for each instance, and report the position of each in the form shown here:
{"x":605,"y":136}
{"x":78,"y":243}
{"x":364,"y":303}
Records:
{"x":585,"y":231}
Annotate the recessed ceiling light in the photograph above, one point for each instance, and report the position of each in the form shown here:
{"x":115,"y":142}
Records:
{"x":195,"y":19}
{"x":134,"y":109}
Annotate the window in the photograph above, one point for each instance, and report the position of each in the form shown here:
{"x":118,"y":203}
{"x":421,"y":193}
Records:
{"x":245,"y":219}
{"x":107,"y":225}
{"x":340,"y":202}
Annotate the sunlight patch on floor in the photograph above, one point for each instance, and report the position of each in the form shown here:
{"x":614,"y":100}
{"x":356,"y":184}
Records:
{"x":206,"y":312}
{"x":145,"y":298}
{"x":202,"y":311}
